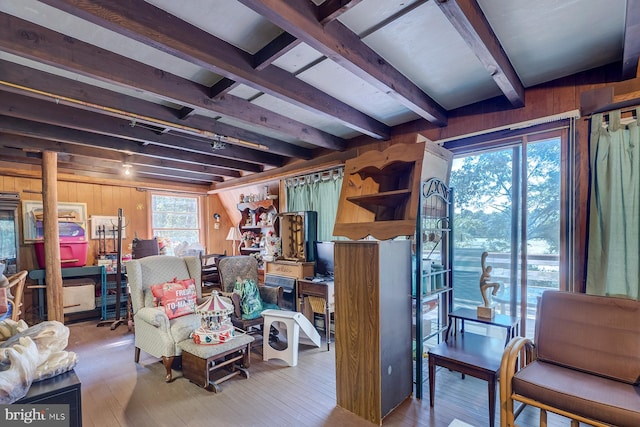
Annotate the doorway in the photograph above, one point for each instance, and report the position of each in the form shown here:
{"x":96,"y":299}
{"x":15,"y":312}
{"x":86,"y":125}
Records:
{"x":508,"y":203}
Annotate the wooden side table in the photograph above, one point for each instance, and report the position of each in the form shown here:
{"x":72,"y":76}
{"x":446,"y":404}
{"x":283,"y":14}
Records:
{"x":322,"y":289}
{"x":199,"y":361}
{"x":471,"y":354}
{"x":510,"y":323}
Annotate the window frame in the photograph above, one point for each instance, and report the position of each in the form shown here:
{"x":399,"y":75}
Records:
{"x":200,"y":208}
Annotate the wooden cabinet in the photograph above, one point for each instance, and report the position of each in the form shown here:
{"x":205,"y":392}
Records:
{"x":374,"y":366}
{"x":379,"y":193}
{"x":258,"y":218}
{"x":299,"y":231}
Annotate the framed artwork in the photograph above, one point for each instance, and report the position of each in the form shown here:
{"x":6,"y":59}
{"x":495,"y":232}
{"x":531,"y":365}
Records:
{"x":110,"y":224}
{"x":68,"y":213}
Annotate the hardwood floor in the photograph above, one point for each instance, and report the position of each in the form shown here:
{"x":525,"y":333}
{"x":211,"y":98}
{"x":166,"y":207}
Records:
{"x":118,"y":392}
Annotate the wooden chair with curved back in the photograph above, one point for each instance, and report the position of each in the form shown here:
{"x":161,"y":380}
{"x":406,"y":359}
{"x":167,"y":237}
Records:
{"x":16,"y":288}
{"x":210,"y":276}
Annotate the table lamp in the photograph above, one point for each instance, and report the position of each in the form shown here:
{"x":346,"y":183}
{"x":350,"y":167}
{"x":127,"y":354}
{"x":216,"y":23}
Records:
{"x":233,"y":235}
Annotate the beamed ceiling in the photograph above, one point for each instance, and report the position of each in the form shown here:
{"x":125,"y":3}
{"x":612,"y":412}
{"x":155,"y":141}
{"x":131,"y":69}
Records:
{"x":208,"y":91}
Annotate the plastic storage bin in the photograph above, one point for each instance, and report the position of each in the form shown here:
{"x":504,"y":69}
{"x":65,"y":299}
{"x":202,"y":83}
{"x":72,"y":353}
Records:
{"x":72,"y":254}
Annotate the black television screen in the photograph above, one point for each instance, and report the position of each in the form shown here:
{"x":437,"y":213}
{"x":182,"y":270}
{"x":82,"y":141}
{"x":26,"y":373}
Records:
{"x":324,"y":258}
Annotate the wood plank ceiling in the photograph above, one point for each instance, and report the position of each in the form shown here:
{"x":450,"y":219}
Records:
{"x":208,"y":91}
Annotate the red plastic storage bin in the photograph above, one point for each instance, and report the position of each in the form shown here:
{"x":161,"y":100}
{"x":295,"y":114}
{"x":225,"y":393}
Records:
{"x":72,"y":254}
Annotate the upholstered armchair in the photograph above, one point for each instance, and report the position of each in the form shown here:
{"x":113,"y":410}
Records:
{"x":154,"y":332}
{"x":245,"y":267}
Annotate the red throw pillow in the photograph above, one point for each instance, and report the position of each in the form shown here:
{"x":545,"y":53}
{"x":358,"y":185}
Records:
{"x":178,"y":298}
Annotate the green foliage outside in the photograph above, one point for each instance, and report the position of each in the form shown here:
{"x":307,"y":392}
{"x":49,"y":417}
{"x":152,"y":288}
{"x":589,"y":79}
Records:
{"x":484,"y":195}
{"x":175,"y":218}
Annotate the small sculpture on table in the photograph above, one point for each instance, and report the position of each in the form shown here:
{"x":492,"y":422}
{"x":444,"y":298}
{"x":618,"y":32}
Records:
{"x":487,"y":310}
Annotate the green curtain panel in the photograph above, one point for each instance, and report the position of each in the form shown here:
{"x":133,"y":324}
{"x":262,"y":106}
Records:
{"x":614,"y":226}
{"x":320,"y":193}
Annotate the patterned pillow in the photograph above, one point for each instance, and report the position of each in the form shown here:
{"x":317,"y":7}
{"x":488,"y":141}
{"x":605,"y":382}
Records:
{"x":178,"y":297}
{"x":250,"y":300}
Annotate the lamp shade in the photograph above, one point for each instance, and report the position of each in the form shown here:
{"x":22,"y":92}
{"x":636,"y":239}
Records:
{"x":234,"y":234}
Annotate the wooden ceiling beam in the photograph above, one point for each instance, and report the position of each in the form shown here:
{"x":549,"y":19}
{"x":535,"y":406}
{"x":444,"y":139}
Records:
{"x":43,"y":111}
{"x":467,"y":18}
{"x":631,"y":47}
{"x":154,"y":27}
{"x":332,"y":9}
{"x":274,"y":50}
{"x":89,"y":95}
{"x":62,"y":148}
{"x":222,"y":87}
{"x":341,"y":45}
{"x":23,"y":127}
{"x":37,"y":43}
{"x":92,"y":168}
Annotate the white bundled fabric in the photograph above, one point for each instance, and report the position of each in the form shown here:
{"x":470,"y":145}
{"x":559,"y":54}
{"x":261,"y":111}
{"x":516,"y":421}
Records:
{"x":30,"y":355}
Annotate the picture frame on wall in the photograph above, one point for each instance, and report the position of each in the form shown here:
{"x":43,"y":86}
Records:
{"x":110,"y":224}
{"x":68,"y":213}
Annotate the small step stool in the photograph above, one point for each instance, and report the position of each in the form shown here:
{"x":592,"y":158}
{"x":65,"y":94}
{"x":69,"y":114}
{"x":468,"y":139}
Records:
{"x":294,"y":322}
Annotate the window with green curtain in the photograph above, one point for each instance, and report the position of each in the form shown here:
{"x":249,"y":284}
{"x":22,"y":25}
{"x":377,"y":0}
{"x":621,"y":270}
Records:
{"x":318,"y":192}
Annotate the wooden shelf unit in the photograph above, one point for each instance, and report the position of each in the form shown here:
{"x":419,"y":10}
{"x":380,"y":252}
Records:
{"x":251,"y":212}
{"x":379,"y":193}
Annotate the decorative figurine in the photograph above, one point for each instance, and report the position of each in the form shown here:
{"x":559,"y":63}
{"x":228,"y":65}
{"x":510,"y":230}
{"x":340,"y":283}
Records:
{"x":486,"y":310}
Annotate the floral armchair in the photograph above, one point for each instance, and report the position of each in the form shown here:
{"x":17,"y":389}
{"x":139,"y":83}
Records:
{"x":155,"y":333}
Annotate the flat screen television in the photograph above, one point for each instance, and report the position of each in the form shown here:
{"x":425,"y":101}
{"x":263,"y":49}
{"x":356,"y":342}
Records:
{"x":324,"y":258}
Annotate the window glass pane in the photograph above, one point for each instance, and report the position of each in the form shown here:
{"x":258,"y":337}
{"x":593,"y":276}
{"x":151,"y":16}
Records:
{"x":7,"y":238}
{"x":488,"y":218}
{"x":482,"y":222}
{"x":175,"y":219}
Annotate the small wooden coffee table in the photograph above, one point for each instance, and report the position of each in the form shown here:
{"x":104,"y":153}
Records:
{"x":200,"y":361}
{"x":475,"y":355}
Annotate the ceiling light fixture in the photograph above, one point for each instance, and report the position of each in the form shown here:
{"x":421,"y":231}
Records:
{"x":127,"y":168}
{"x":218,"y":144}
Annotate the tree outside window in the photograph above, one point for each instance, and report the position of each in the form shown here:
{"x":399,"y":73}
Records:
{"x":175,"y":219}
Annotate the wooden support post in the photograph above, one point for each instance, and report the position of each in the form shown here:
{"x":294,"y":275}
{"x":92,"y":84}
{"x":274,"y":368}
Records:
{"x":53,"y":272}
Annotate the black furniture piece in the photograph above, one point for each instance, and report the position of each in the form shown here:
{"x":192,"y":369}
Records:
{"x":61,"y":389}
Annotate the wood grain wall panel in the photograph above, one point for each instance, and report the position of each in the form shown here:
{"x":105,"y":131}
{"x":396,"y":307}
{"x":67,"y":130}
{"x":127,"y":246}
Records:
{"x":374,"y":369}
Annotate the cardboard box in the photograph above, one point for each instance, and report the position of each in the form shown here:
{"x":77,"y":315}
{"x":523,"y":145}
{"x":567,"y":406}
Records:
{"x":78,"y":298}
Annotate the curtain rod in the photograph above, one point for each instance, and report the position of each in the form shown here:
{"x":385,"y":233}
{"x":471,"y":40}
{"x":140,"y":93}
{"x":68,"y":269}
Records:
{"x":325,"y":175}
{"x":572,"y":114}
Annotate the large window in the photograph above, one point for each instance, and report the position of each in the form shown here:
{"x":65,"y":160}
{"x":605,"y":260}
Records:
{"x":175,"y":219}
{"x":508,"y":203}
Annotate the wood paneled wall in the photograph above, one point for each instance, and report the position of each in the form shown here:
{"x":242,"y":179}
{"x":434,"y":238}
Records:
{"x":100,"y":199}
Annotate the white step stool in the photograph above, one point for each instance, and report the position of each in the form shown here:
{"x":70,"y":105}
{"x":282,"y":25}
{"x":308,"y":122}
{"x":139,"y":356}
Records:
{"x":294,"y":322}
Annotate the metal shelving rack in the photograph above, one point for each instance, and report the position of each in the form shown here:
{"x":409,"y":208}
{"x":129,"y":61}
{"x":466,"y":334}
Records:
{"x":433,"y":270}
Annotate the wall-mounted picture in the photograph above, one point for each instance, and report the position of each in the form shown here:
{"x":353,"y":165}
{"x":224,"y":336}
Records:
{"x":107,"y":225}
{"x":72,"y":220}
